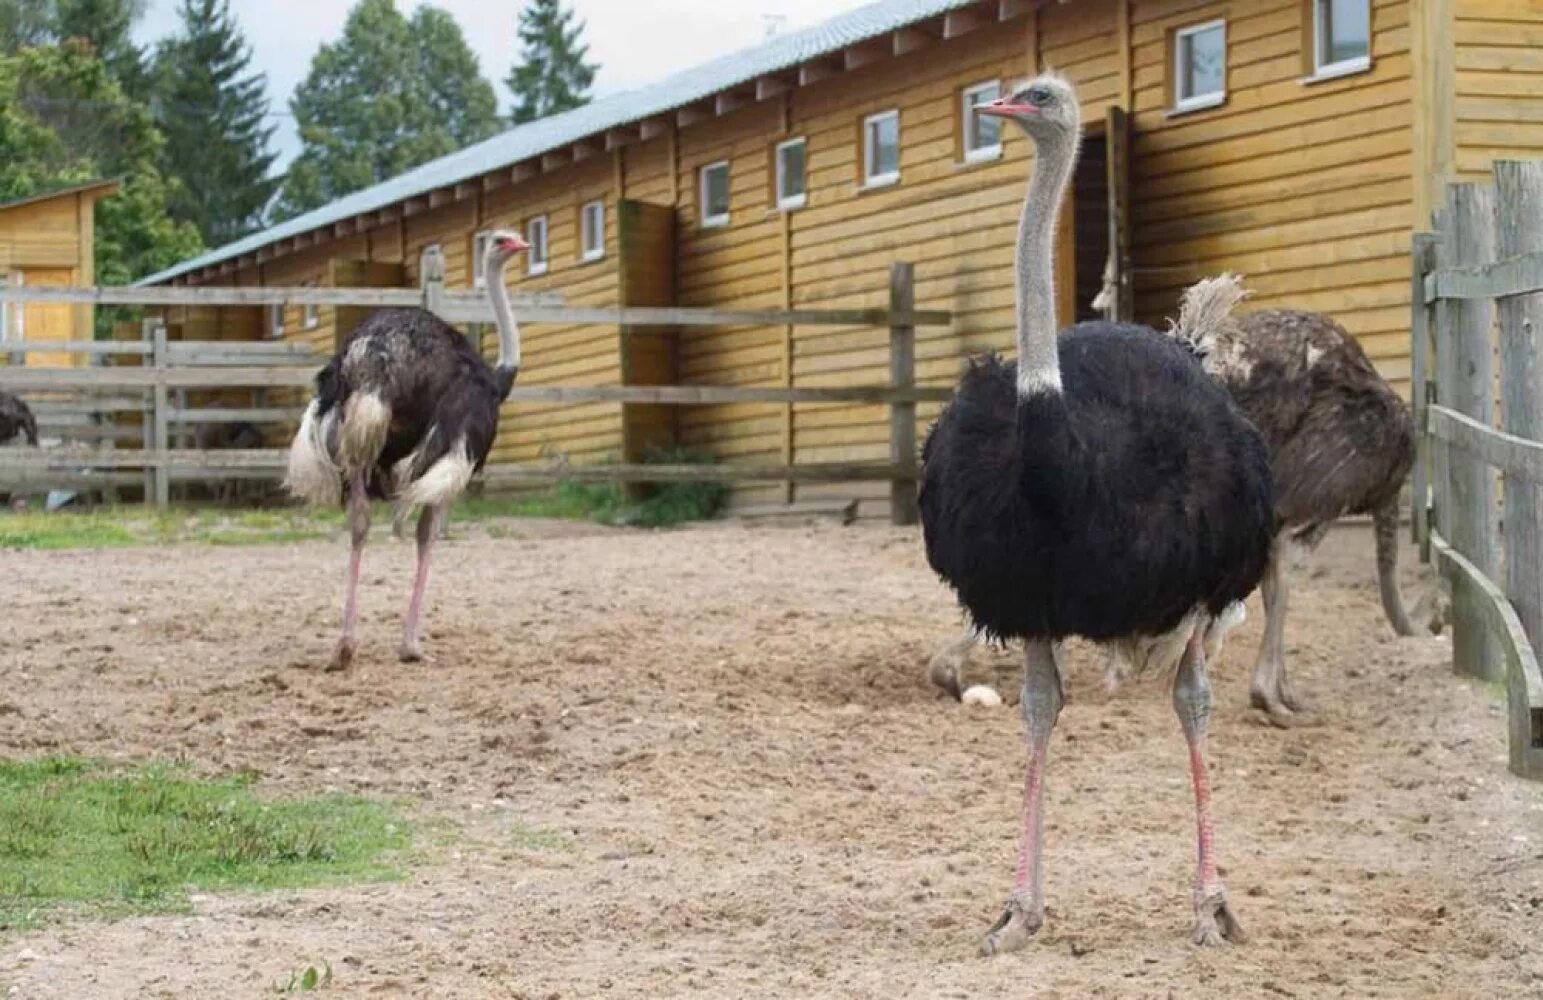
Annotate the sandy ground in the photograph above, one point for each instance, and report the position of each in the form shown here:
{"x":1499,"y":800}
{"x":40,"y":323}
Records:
{"x":706,"y":763}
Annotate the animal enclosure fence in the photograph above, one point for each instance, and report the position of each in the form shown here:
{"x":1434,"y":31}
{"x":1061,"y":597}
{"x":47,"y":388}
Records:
{"x":1485,"y":262}
{"x":171,"y":367}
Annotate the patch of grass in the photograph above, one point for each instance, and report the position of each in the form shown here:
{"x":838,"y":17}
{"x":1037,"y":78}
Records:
{"x":663,"y":505}
{"x":81,"y":838}
{"x":122,"y":527}
{"x":307,"y":980}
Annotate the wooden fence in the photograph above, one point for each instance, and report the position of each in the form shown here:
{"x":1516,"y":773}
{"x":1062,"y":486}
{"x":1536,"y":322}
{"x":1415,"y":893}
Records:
{"x":1483,"y":262}
{"x":169,"y":367}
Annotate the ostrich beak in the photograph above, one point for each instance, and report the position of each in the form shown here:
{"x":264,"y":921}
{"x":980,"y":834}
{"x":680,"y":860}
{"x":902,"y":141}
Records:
{"x":513,"y":244}
{"x":1003,"y":108}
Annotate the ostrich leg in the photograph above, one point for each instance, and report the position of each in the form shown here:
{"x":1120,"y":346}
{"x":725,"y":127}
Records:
{"x":1042,"y":700}
{"x":359,"y":530}
{"x":428,"y":531}
{"x":1214,"y":920}
{"x":1270,"y":690}
{"x":948,"y":663}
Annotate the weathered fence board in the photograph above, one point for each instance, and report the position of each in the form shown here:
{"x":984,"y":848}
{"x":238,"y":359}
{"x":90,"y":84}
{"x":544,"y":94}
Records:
{"x":728,"y":472}
{"x":1519,"y":455}
{"x":902,"y":377}
{"x":1512,"y":274}
{"x":1420,"y":356}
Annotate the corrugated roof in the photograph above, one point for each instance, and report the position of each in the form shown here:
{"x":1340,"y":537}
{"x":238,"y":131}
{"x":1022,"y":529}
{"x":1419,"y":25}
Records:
{"x":538,"y":137}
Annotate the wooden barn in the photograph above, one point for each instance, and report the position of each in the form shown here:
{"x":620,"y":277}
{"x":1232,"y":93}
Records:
{"x":48,"y":239}
{"x":1298,"y":142}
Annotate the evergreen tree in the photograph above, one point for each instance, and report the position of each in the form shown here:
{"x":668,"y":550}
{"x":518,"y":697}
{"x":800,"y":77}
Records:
{"x":65,"y":119}
{"x":387,"y":96}
{"x":212,"y":113}
{"x":108,"y":26}
{"x":25,"y":22}
{"x":551,"y":75}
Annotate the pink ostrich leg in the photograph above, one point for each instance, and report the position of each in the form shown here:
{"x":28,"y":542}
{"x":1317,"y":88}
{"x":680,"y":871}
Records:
{"x":428,"y":530}
{"x":1214,"y":919}
{"x":359,"y":531}
{"x":1024,"y":913}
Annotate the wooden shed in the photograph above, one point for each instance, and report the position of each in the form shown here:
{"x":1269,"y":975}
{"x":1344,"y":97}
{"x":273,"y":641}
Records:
{"x":1298,"y":142}
{"x":48,"y":239}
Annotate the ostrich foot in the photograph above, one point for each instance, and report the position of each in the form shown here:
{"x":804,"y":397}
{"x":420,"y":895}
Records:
{"x":1215,"y":923}
{"x":1021,"y":919}
{"x":343,"y":655}
{"x":1281,"y":704}
{"x":410,"y":652}
{"x":948,"y":663}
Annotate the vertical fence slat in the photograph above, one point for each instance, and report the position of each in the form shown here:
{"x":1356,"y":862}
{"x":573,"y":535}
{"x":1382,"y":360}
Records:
{"x":1441,"y":316}
{"x":1470,"y":389}
{"x":1519,"y":230}
{"x":161,"y":417}
{"x":902,"y":416}
{"x":1423,"y":257}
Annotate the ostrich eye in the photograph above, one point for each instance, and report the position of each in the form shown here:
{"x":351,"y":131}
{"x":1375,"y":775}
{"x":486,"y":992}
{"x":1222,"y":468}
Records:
{"x":1039,"y":96}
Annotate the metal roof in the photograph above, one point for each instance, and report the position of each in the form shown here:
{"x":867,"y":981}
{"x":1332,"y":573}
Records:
{"x":526,"y":141}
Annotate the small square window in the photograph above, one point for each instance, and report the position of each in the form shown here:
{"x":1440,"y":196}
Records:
{"x":1200,"y":66}
{"x":881,"y":149}
{"x":982,"y":133}
{"x":479,"y":253}
{"x":310,"y":316}
{"x":535,"y":235}
{"x":1342,"y":36}
{"x":790,"y":173}
{"x":714,"y":194}
{"x":592,"y":230}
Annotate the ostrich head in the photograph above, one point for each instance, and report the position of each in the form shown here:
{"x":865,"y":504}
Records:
{"x":1044,"y":107}
{"x":502,"y":245}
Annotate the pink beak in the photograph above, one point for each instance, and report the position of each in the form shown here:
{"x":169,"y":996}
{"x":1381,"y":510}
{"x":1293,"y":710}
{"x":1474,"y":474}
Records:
{"x":513,"y":244}
{"x":1003,"y":108}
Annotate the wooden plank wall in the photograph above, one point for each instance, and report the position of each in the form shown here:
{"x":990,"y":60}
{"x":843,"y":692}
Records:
{"x":1305,"y":188}
{"x":1499,"y":84}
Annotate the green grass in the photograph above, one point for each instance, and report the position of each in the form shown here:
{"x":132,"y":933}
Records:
{"x":78,"y":838}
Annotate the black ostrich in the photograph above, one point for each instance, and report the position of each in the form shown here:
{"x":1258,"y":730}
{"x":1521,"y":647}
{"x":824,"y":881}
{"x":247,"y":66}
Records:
{"x":1341,"y":442}
{"x":1106,"y":488}
{"x":16,"y":420}
{"x":406,"y":411}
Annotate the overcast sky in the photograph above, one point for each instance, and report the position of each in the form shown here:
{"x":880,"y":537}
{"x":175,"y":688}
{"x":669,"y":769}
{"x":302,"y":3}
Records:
{"x":634,"y":41}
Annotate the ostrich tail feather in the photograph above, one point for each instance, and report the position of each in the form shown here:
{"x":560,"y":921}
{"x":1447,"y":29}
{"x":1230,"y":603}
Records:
{"x":313,"y":475}
{"x":1205,"y":313}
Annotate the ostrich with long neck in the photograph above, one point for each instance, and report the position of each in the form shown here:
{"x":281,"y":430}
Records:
{"x":405,"y":411}
{"x":1103,"y":488}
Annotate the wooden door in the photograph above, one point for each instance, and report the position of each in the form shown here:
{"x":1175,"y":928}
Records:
{"x":1121,"y":303}
{"x":49,"y":320}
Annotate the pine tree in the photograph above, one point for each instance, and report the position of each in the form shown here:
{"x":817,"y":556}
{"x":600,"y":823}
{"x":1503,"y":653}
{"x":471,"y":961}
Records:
{"x":387,"y":96}
{"x":212,"y":112}
{"x":551,"y":75}
{"x":108,"y":26}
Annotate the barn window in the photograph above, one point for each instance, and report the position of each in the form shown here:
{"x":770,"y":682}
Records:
{"x":1200,"y":66}
{"x":535,"y":235}
{"x":12,"y":315}
{"x":276,"y":321}
{"x":479,"y":251}
{"x":310,"y":314}
{"x":790,"y":162}
{"x":1342,"y":37}
{"x":982,"y":133}
{"x":881,"y":149}
{"x":714,"y":194}
{"x":592,"y":230}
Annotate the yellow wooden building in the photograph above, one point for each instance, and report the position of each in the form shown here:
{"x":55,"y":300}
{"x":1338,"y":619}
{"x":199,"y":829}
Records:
{"x":47,"y":239}
{"x":1296,"y":141}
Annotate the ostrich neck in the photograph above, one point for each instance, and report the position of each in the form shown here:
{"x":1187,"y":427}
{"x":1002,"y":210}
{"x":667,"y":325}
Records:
{"x":1039,"y":367}
{"x":503,"y":315}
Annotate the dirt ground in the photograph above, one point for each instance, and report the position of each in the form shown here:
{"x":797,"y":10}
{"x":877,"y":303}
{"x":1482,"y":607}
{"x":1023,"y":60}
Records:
{"x":707,"y":763}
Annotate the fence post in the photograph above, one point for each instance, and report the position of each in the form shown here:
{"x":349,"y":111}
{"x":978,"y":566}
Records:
{"x":902,"y":375}
{"x":160,"y":412}
{"x":431,"y":278}
{"x":1469,"y":388}
{"x":1519,"y":230}
{"x":1423,"y":255}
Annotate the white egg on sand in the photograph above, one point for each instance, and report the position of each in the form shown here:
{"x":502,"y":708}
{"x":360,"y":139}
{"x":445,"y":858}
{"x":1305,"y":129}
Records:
{"x":981,"y":694}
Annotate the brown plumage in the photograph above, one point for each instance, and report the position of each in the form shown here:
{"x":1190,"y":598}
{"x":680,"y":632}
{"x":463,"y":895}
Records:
{"x":1340,"y":439}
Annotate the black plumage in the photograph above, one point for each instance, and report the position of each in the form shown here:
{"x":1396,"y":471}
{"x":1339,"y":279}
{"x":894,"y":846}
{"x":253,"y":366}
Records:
{"x":16,"y":420}
{"x":1109,"y":510}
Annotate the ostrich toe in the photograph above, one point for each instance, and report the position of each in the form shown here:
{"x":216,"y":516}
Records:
{"x":410,"y":653}
{"x":948,"y":663}
{"x":1279,"y":701}
{"x":1021,"y":919}
{"x":342,"y":655}
{"x":1215,"y":923}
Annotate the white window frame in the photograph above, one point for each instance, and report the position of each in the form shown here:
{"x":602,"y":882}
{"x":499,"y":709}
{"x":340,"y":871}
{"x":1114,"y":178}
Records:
{"x":721,"y":219}
{"x":1197,"y":102}
{"x":13,"y":331}
{"x":538,"y":258}
{"x":968,"y":101}
{"x":788,"y":203}
{"x":479,"y":249}
{"x":871,"y":179}
{"x":310,"y":313}
{"x":276,"y":321}
{"x":1345,"y":67}
{"x":587,"y":251}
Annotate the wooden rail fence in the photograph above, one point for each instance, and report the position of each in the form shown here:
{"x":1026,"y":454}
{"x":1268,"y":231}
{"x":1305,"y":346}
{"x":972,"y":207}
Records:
{"x":170,"y":367}
{"x":1483,"y":262}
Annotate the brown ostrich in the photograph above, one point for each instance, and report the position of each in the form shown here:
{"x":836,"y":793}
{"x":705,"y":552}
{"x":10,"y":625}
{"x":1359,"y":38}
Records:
{"x":1341,"y":442}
